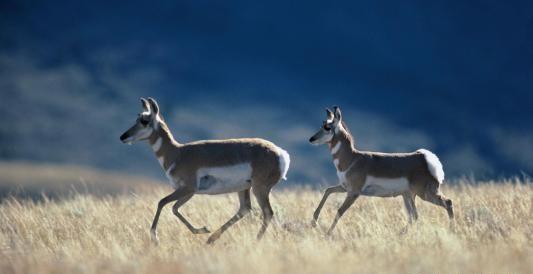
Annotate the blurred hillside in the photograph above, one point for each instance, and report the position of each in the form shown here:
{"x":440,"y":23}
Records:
{"x":49,"y":181}
{"x":453,"y":77}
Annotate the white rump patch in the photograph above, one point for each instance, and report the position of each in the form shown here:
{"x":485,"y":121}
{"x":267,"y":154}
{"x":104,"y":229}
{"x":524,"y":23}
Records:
{"x":284,"y":162}
{"x":157,"y":145}
{"x":434,"y":165}
{"x":336,"y":148}
{"x":384,"y":187}
{"x":225,"y":179}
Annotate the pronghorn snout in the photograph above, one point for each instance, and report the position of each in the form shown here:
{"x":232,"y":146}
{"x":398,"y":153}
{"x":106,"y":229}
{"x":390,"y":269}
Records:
{"x":312,"y":139}
{"x":123,"y":137}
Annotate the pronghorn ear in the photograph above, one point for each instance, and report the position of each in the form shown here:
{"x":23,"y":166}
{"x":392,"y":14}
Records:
{"x":145,"y":104}
{"x":153,"y":106}
{"x":329,"y":113}
{"x":338,"y":114}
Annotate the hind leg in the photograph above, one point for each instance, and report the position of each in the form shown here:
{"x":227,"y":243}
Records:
{"x":434,"y":196}
{"x":409,"y":201}
{"x":262,"y":197}
{"x":244,"y":209}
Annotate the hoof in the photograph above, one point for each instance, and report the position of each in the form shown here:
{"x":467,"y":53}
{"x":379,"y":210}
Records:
{"x":213,"y":238}
{"x":404,"y":230}
{"x":155,"y":239}
{"x":314,"y":223}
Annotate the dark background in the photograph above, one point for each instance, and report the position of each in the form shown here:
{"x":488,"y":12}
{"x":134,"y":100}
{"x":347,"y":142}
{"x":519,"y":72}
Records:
{"x":454,"y":77}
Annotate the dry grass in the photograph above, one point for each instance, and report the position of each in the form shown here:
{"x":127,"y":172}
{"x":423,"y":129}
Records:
{"x":493,"y":233}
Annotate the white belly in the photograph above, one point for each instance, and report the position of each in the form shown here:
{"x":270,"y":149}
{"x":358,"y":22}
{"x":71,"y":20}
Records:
{"x":384,"y":187}
{"x":226,"y":179}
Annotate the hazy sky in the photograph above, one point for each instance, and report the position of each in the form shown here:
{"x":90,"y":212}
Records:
{"x":452,"y":76}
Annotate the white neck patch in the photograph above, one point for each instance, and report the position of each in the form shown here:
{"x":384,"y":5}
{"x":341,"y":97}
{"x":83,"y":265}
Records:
{"x":336,"y":163}
{"x":161,"y":161}
{"x":157,"y":145}
{"x":172,"y":166}
{"x":336,"y":148}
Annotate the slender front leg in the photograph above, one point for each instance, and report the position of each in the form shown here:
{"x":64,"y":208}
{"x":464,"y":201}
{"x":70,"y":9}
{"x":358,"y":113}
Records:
{"x":244,"y":209}
{"x":329,"y":190}
{"x":175,"y":209}
{"x":179,"y":193}
{"x":350,"y":198}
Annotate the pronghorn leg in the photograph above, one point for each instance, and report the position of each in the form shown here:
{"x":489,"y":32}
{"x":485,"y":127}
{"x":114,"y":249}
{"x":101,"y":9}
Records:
{"x":409,"y":201}
{"x":350,"y":199}
{"x":261,"y":195}
{"x":175,"y":209}
{"x":179,"y":193}
{"x":244,"y":209}
{"x":329,"y":191}
{"x":440,"y":200}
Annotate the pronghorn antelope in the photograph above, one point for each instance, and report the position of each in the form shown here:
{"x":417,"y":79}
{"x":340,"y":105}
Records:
{"x":378,"y":174}
{"x":210,"y":167}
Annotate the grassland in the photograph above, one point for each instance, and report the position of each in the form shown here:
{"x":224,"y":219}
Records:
{"x":85,"y":233}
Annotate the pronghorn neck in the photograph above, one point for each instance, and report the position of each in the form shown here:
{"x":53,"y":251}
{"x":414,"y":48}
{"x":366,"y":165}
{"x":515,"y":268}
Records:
{"x":162,"y":143}
{"x":342,"y":148}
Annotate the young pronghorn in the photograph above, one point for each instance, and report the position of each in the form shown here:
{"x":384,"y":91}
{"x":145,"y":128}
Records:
{"x":378,"y":174}
{"x":210,"y":167}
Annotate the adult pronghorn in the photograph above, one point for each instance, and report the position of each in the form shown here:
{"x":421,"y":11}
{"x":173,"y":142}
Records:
{"x":210,"y":167}
{"x":378,"y":174}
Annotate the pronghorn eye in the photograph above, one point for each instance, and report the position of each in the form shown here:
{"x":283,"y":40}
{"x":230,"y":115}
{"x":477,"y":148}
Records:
{"x":144,"y":122}
{"x":327,"y":127}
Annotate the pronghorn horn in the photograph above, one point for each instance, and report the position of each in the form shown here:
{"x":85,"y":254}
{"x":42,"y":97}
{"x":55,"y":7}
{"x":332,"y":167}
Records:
{"x":338,"y":113}
{"x":329,"y":113}
{"x":153,"y":106}
{"x":145,"y":104}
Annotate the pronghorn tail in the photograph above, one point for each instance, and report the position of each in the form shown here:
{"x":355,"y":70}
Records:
{"x":284,"y":162}
{"x":434,"y":165}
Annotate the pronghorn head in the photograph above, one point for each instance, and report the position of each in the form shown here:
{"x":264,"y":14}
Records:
{"x":145,"y":124}
{"x":329,"y":127}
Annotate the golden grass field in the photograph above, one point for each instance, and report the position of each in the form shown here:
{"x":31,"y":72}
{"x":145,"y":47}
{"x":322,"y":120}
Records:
{"x":492,"y":233}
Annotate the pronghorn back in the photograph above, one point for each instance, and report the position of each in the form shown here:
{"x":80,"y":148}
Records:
{"x":235,"y":163}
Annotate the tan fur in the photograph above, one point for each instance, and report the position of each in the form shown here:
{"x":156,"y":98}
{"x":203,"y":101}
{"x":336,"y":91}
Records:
{"x":182,"y":163}
{"x":354,"y":167}
{"x":412,"y":166}
{"x":189,"y":157}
